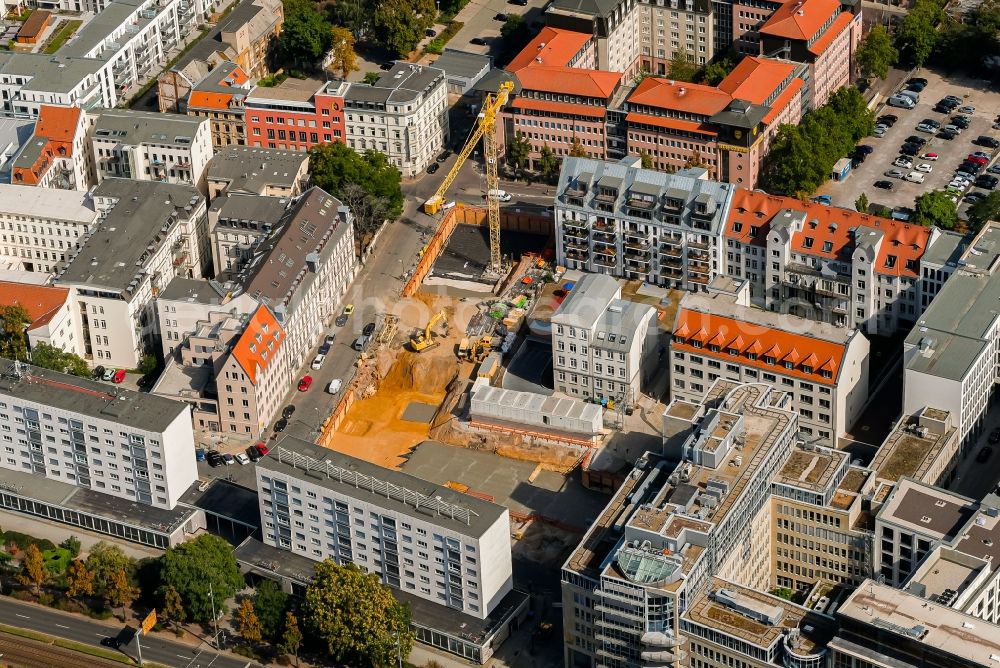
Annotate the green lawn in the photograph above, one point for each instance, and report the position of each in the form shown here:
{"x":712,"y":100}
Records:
{"x":64,"y":34}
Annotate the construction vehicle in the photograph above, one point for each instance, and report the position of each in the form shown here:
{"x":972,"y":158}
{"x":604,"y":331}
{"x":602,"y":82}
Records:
{"x":463,"y":348}
{"x":480,"y":349}
{"x":425,"y":340}
{"x":485,"y":128}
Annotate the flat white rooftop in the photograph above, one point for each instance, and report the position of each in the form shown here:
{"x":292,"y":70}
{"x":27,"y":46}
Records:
{"x":69,"y":205}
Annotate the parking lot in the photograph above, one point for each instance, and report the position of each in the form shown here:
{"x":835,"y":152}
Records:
{"x":974,"y":92}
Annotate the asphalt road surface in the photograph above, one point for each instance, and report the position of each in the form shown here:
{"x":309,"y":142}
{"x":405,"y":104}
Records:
{"x":90,"y":632}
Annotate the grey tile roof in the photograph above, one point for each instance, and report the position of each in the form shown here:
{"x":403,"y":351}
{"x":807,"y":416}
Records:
{"x":405,"y":82}
{"x":139,"y":127}
{"x":49,"y":74}
{"x":587,"y":301}
{"x":250,"y":170}
{"x":99,"y":28}
{"x":463,"y":64}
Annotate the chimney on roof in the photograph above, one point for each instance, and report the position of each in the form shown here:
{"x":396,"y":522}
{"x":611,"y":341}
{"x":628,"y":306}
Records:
{"x":541,"y":46}
{"x":670,"y":83}
{"x":800,"y":13}
{"x":681,"y":92}
{"x":538,"y":59}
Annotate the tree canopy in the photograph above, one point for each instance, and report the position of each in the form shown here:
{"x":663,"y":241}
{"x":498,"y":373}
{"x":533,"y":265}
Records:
{"x":548,"y":163}
{"x":715,"y":72}
{"x":399,"y":25}
{"x":50,"y":357}
{"x":876,"y":54}
{"x":192,"y":566}
{"x":270,"y":604}
{"x":918,"y":34}
{"x":356,"y":618}
{"x":344,"y":59}
{"x":514,"y":36}
{"x":985,"y":209}
{"x":306,"y":35}
{"x":682,"y":67}
{"x":14,"y":321}
{"x":935,"y":209}
{"x":104,"y":560}
{"x":518,"y":151}
{"x":980,"y":27}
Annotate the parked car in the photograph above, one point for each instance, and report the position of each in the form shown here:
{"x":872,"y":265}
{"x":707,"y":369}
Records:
{"x":433,"y":167}
{"x":910,"y":149}
{"x":961,"y":121}
{"x":947,"y":135}
{"x":444,"y":156}
{"x":986,"y":181}
{"x":228,"y":459}
{"x":478,"y":41}
{"x":967,"y":109}
{"x":895,"y":173}
{"x":879,"y":132}
{"x":995,"y":437}
{"x":262,"y":448}
{"x":995,"y":169}
{"x":981,"y":154}
{"x":984,"y":454}
{"x":983,"y":140}
{"x":917,"y":80}
{"x":385,"y":67}
{"x":253,"y":454}
{"x":199,"y":454}
{"x":324,"y":348}
{"x":501,"y":16}
{"x":884,"y":185}
{"x":280,"y":425}
{"x":887,"y":119}
{"x":914,"y":139}
{"x":923,"y":127}
{"x":335,"y":386}
{"x":317,"y":362}
{"x":109,"y":374}
{"x":864,"y":149}
{"x":305,"y":383}
{"x":369,"y":329}
{"x":901,"y":101}
{"x":214,"y":458}
{"x":341,"y":320}
{"x":119,"y":377}
{"x":954,"y":129}
{"x":978,"y":160}
{"x":431,"y":32}
{"x":905,"y":163}
{"x":916,"y":87}
{"x":929,"y":156}
{"x":360,"y":343}
{"x":924,"y":167}
{"x":823,"y":199}
{"x":974,"y":197}
{"x":915,"y":177}
{"x":288,"y":411}
{"x":242,"y":459}
{"x":98,"y":373}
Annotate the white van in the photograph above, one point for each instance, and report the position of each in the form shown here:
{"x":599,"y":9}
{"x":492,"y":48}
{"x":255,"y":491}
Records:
{"x":901,"y":101}
{"x":912,"y":94}
{"x":501,"y":195}
{"x":335,"y":386}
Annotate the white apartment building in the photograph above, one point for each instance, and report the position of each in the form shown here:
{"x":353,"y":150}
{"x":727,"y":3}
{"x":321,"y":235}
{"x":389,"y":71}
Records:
{"x":49,"y":312}
{"x":245,"y":170}
{"x":305,"y":267}
{"x":618,"y":219}
{"x":404,"y":115}
{"x":700,"y":510}
{"x":417,"y":537}
{"x":59,"y":154}
{"x":822,"y":368}
{"x":950,"y":357}
{"x":673,"y":26}
{"x":41,"y":228}
{"x":826,"y":263}
{"x":149,"y":232}
{"x":186,"y":303}
{"x":238,"y":223}
{"x":133,"y":446}
{"x":146,"y":146}
{"x":598,"y":341}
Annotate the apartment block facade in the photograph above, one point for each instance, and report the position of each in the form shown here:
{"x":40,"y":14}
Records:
{"x":296,"y":114}
{"x":239,"y":223}
{"x":133,"y":446}
{"x":323,"y":504}
{"x":627,"y":222}
{"x":219,"y":97}
{"x":152,"y":147}
{"x":59,"y":154}
{"x":822,"y":368}
{"x":41,"y":228}
{"x":404,"y":114}
{"x":598,"y":341}
{"x":241,"y":170}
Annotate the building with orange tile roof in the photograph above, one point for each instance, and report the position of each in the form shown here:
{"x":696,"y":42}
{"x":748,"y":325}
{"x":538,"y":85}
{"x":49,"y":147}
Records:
{"x":827,"y":263}
{"x":822,"y":368}
{"x":48,"y":309}
{"x":219,"y":97}
{"x":257,"y":363}
{"x":820,"y":33}
{"x":59,"y":154}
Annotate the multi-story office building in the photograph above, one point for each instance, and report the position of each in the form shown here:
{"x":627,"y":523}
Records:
{"x":883,"y":627}
{"x":417,"y":537}
{"x":132,"y":446}
{"x":40,"y":228}
{"x":672,"y":526}
{"x":404,"y":114}
{"x":148,"y":233}
{"x":950,"y":356}
{"x":614,"y":27}
{"x":305,"y":267}
{"x":59,"y":154}
{"x":598,"y":341}
{"x":146,"y":146}
{"x":237,"y":224}
{"x":620,"y":220}
{"x":674,"y":27}
{"x":826,"y":263}
{"x":923,"y":446}
{"x":822,"y":368}
{"x":219,"y":97}
{"x":296,"y":115}
{"x":240,"y":170}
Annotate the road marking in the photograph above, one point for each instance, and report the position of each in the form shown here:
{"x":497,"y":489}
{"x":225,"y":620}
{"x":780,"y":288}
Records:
{"x":18,"y":614}
{"x":61,"y":626}
{"x":182,"y":656}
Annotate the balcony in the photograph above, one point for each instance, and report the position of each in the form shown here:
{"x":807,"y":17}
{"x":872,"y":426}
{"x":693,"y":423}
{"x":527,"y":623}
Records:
{"x":600,"y":238}
{"x":669,"y":251}
{"x":701,"y":271}
{"x":698,"y":244}
{"x":638,"y":246}
{"x":575,"y":244}
{"x":605,"y":261}
{"x":605,"y":250}
{"x":636,"y":233}
{"x":671,"y":272}
{"x":580,"y":256}
{"x":701,"y":280}
{"x":673,"y":242}
{"x":576,"y":232}
{"x":569,"y":223}
{"x":695,"y":254}
{"x":604,"y":226}
{"x":640,"y":203}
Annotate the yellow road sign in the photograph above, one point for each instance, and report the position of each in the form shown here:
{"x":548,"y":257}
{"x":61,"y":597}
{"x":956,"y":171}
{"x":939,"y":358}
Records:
{"x":149,"y":622}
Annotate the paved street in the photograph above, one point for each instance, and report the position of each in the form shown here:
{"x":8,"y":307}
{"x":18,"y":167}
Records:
{"x":90,"y":632}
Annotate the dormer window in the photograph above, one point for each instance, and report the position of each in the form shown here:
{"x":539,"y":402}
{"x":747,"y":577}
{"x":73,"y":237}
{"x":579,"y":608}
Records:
{"x":826,"y":374}
{"x":751,"y":356}
{"x":734,"y":351}
{"x":890,"y":261}
{"x":789,"y":365}
{"x":827,"y":246}
{"x":807,"y":369}
{"x":769,"y":360}
{"x":714,"y":348}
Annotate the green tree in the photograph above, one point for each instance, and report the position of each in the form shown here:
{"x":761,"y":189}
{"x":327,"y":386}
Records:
{"x":270,"y":604}
{"x":577,"y":150}
{"x":548,"y":163}
{"x":876,"y":54}
{"x":917,"y":34}
{"x":344,"y":58}
{"x":861,"y":203}
{"x":985,"y":209}
{"x":645,"y":159}
{"x":518,"y":151}
{"x":514,"y":36}
{"x":79,"y":579}
{"x":370,"y":78}
{"x":355,"y":616}
{"x":399,"y":24}
{"x":193,"y":567}
{"x":50,"y":357}
{"x":717,"y":71}
{"x":121,"y":592}
{"x":292,"y":638}
{"x":305,"y":36}
{"x":247,"y":622}
{"x":173,"y":607}
{"x":935,"y":209}
{"x":682,"y":67}
{"x":73,"y":545}
{"x":14,"y":321}
{"x":33,"y":570}
{"x":851,"y":112}
{"x":641,"y":76}
{"x":104,"y":560}
{"x":355,"y":15}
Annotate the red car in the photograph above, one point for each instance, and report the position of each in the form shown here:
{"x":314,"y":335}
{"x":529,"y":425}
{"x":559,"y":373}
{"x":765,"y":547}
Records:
{"x":305,"y":383}
{"x":262,"y":449}
{"x":978,"y":159}
{"x":119,"y":376}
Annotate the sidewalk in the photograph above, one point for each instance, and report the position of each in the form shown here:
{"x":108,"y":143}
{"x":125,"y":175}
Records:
{"x":57,"y":533}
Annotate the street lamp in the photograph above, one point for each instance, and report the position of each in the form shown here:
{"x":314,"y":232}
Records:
{"x":211,"y":596}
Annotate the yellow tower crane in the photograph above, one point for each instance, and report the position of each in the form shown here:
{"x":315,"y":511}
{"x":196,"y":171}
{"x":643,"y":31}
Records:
{"x":485,"y":128}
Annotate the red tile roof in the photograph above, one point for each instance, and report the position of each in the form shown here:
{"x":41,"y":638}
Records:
{"x":555,"y":47}
{"x":58,"y":123}
{"x":783,"y":100}
{"x":902,"y":240}
{"x":41,"y":302}
{"x":259,"y":342}
{"x":756,"y":79}
{"x":569,"y":81}
{"x":671,"y":123}
{"x":808,"y":356}
{"x":838,"y":27}
{"x":559,"y":107}
{"x":680,"y":96}
{"x":800,"y":20}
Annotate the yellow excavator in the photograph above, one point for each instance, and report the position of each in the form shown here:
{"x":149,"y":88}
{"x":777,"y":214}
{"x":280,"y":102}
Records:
{"x":482,"y":348}
{"x":486,"y":130}
{"x":425,"y":340}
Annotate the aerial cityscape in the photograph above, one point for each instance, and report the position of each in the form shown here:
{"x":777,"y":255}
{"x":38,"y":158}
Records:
{"x":505,"y":333}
